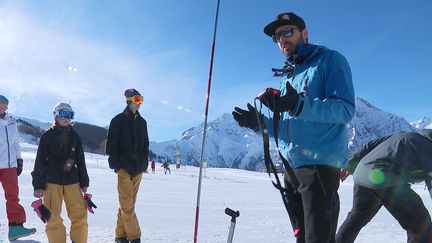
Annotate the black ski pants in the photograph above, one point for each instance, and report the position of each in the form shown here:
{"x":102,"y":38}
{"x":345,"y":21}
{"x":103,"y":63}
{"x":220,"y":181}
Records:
{"x":313,"y":202}
{"x":401,"y":201}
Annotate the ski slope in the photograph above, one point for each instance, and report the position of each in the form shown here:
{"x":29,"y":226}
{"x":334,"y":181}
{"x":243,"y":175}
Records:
{"x":166,"y":206}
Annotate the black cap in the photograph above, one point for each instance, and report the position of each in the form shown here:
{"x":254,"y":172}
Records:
{"x":4,"y":100}
{"x":131,"y":92}
{"x":284,"y":19}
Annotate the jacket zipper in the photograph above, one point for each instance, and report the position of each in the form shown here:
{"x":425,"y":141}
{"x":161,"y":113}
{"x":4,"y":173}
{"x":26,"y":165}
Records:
{"x":8,"y":146}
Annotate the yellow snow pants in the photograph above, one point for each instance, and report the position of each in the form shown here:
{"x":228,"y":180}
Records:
{"x":127,"y":221}
{"x":54,"y":195}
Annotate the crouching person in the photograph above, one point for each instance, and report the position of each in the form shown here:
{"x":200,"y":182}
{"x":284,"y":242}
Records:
{"x":60,"y":174}
{"x":383,"y":171}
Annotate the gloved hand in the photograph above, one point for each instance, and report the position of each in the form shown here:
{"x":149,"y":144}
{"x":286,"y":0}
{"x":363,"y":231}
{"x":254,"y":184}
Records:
{"x":246,"y":118}
{"x":276,"y":103}
{"x":68,"y":164}
{"x":343,"y":174}
{"x":88,"y":202}
{"x":38,"y":193}
{"x":19,"y":166}
{"x":43,"y":213}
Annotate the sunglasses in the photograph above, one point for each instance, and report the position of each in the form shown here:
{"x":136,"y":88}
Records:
{"x":65,"y":114}
{"x":137,"y":99}
{"x":285,"y":33}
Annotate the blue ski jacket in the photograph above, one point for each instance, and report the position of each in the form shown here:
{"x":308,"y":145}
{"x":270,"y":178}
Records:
{"x":315,"y":132}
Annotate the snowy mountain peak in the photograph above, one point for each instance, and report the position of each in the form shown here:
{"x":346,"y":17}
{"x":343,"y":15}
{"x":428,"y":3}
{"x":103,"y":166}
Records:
{"x":424,"y":122}
{"x":228,"y":145}
{"x":370,"y":123}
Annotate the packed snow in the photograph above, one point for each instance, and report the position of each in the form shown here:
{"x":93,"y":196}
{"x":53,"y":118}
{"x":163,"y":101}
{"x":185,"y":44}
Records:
{"x":166,"y":206}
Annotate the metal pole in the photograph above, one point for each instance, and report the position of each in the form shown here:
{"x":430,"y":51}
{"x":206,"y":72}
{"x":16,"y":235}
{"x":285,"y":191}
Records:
{"x":234,"y":215}
{"x":205,"y":124}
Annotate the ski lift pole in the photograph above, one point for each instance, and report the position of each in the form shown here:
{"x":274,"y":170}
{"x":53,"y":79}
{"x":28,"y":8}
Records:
{"x":234,"y":215}
{"x":205,"y":124}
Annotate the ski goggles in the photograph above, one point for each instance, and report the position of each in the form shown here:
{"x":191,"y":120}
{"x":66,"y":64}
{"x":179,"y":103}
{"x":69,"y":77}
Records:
{"x":65,"y":114}
{"x":137,"y":99}
{"x":284,"y":33}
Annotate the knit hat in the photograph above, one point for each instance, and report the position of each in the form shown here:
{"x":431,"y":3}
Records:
{"x":130,"y":93}
{"x":64,"y":107}
{"x":284,"y":19}
{"x":4,"y":100}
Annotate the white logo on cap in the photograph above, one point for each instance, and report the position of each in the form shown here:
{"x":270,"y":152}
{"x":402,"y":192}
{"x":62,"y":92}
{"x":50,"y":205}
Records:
{"x":286,"y":16}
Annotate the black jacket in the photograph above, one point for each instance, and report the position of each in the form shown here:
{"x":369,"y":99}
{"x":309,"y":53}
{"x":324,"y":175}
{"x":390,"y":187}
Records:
{"x":404,"y":157}
{"x":128,"y":143}
{"x":55,"y":146}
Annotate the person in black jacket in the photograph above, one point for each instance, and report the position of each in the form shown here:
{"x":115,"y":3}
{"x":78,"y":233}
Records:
{"x":383,"y":170}
{"x":128,"y":150}
{"x":60,"y":174}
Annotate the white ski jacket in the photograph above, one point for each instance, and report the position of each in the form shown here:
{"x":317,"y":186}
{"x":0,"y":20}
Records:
{"x":9,"y":143}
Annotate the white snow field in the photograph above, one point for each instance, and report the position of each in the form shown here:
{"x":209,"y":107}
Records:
{"x":166,"y":206}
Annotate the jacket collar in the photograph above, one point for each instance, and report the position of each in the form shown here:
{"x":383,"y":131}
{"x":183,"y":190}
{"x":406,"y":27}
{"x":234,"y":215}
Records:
{"x":128,"y":112}
{"x":305,"y":52}
{"x":60,"y":129}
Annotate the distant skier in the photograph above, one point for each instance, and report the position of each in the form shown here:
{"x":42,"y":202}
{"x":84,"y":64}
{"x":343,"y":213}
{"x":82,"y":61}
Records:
{"x":11,"y":166}
{"x":153,"y":166}
{"x":166,"y":166}
{"x":60,"y":174}
{"x":383,"y":170}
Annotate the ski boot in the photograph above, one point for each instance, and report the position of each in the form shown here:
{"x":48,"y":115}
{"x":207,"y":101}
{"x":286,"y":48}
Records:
{"x":121,"y":240}
{"x":18,"y":231}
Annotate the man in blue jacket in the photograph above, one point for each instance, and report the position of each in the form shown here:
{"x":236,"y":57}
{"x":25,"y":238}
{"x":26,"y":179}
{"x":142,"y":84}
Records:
{"x":315,"y":103}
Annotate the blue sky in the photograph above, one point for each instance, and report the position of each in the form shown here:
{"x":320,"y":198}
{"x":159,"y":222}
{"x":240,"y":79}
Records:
{"x":89,"y":52}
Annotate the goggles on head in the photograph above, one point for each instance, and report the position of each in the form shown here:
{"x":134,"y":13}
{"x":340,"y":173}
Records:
{"x":285,"y":33}
{"x":65,"y":114}
{"x":137,"y":99}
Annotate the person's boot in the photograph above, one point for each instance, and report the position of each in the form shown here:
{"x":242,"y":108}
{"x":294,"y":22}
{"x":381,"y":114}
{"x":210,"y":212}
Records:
{"x":18,"y":231}
{"x":121,"y":240}
{"x":138,"y":240}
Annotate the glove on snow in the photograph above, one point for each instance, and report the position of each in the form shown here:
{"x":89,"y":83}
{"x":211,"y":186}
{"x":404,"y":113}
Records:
{"x":89,"y":204}
{"x":246,"y":118}
{"x":19,"y":166}
{"x":42,"y":211}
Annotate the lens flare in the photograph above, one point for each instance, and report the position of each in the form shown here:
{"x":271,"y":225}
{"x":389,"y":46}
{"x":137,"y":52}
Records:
{"x":376,"y":176}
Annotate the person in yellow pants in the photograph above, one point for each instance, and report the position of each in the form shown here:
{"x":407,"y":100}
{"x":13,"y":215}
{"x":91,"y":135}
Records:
{"x":60,"y":174}
{"x":76,"y":210}
{"x":127,"y":222}
{"x":128,"y":150}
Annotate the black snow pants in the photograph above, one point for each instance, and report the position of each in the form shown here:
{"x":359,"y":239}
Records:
{"x":401,"y":201}
{"x":314,"y":201}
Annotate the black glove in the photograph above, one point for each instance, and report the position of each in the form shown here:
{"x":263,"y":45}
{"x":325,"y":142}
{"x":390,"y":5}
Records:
{"x":246,"y":118}
{"x":89,"y":204}
{"x":269,"y":97}
{"x":19,"y":166}
{"x":41,"y":210}
{"x":275,"y":102}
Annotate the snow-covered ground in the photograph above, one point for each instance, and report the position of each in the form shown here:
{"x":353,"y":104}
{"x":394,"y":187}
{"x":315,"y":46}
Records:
{"x":166,"y":206}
